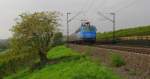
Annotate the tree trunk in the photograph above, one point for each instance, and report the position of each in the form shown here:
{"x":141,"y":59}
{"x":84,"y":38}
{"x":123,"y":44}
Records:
{"x":43,"y":57}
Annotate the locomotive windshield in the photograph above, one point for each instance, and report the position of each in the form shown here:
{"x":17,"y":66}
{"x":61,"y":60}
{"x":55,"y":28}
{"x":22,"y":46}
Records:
{"x":88,"y":28}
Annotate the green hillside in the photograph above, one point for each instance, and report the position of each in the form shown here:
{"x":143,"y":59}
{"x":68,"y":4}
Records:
{"x":137,"y":31}
{"x":68,"y":65}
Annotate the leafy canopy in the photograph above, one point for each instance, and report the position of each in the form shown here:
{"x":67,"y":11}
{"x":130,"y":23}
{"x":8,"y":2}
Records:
{"x":33,"y":33}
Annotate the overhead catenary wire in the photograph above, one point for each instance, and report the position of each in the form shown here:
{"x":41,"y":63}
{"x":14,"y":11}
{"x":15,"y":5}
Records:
{"x":85,"y":3}
{"x":103,"y":3}
{"x":86,"y":8}
{"x":83,"y":9}
{"x":120,"y":9}
{"x":127,"y":6}
{"x":74,"y":16}
{"x":101,"y":14}
{"x":118,"y":3}
{"x":90,"y":5}
{"x":79,"y":13}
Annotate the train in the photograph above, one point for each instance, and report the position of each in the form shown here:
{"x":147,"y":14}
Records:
{"x":86,"y":33}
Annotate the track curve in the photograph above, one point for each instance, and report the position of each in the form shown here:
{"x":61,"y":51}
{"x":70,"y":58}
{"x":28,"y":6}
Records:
{"x":140,"y":50}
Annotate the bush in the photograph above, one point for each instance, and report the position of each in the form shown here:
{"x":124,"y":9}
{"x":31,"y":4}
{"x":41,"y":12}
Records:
{"x":117,"y":60}
{"x":10,"y":64}
{"x":57,"y":39}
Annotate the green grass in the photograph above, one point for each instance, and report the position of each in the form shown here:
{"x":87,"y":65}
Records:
{"x":117,"y":60}
{"x":61,"y":51}
{"x":70,"y":65}
{"x":137,"y":31}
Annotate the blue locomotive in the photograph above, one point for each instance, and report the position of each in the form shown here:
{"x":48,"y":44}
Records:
{"x":87,"y":32}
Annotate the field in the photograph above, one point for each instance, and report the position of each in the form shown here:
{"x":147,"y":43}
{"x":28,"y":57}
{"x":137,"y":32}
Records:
{"x":138,"y":31}
{"x":67,"y":64}
{"x":129,"y":65}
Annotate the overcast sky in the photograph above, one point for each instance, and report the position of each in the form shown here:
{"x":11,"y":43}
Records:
{"x":129,"y":13}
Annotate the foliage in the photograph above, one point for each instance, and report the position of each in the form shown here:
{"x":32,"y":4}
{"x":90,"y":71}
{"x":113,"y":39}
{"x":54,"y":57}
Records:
{"x":3,"y":44}
{"x":137,"y":31}
{"x":32,"y":38}
{"x":58,"y":39}
{"x":33,"y":33}
{"x":10,"y":63}
{"x":117,"y":60}
{"x":68,"y":68}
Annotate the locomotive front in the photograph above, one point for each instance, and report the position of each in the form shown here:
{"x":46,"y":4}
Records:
{"x":87,"y":32}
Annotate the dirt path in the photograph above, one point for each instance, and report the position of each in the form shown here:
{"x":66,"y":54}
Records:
{"x":137,"y":65}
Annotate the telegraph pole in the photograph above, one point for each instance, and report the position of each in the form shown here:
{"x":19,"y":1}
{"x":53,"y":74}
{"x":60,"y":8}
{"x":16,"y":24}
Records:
{"x":114,"y":26}
{"x":68,"y":27}
{"x":67,"y":23}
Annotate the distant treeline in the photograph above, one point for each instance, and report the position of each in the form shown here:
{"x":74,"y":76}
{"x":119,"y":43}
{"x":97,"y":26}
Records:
{"x":3,"y":44}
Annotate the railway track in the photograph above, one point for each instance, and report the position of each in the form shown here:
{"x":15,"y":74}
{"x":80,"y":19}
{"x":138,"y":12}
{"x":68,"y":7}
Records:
{"x":143,"y":49}
{"x":139,"y":50}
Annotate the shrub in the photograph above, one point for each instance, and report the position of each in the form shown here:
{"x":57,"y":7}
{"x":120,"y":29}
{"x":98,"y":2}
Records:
{"x":10,"y":63}
{"x":117,"y":60}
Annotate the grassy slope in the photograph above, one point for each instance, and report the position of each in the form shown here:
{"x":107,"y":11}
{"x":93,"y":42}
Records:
{"x":71,"y":65}
{"x":137,"y":31}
